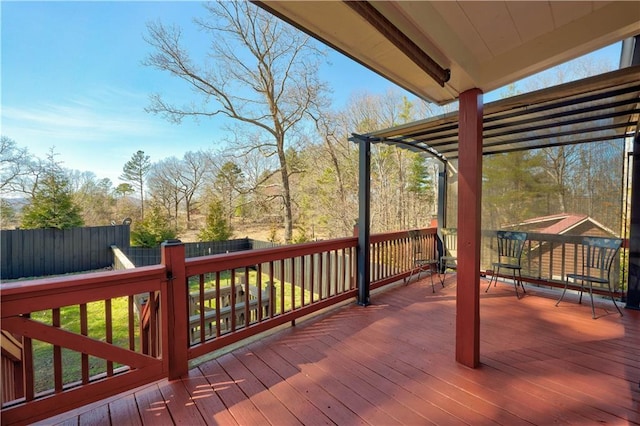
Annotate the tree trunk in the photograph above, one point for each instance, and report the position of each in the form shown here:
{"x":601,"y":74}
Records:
{"x":286,"y":192}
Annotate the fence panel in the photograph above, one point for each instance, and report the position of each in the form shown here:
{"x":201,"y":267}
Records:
{"x":42,"y":252}
{"x":146,"y":256}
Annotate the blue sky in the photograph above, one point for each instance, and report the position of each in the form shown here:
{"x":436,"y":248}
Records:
{"x":72,"y":79}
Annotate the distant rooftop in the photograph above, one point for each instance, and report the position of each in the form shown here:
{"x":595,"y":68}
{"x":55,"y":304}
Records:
{"x":559,"y":224}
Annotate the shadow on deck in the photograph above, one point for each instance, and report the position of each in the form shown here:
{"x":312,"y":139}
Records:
{"x":394,"y":363}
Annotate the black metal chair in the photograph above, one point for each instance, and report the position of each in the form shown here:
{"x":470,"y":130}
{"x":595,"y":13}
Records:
{"x":421,"y":262}
{"x":510,"y":246}
{"x":449,"y":258}
{"x":598,"y":255}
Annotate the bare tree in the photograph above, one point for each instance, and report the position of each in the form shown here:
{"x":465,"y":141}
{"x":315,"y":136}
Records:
{"x":20,"y":172}
{"x":562,"y":162}
{"x":228,"y":183}
{"x":13,"y":163}
{"x":95,"y":197}
{"x":263,"y":73}
{"x":165,"y":186}
{"x":338,"y":167}
{"x":192,"y":173}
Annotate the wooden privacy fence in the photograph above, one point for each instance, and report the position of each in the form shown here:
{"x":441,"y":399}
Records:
{"x":145,"y":256}
{"x":42,"y":252}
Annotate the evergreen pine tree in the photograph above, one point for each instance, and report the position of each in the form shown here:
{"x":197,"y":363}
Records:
{"x":134,"y":172}
{"x":153,"y":230}
{"x":52,"y":204}
{"x":217,"y":227}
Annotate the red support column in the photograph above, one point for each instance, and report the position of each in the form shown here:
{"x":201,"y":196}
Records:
{"x":469,"y":198}
{"x":175,"y":315}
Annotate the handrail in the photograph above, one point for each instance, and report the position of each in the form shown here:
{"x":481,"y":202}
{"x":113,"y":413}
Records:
{"x":294,"y":281}
{"x":35,"y":310}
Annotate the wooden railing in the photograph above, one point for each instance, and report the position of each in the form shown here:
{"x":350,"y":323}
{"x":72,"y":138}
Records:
{"x":73,"y":340}
{"x":77,"y":339}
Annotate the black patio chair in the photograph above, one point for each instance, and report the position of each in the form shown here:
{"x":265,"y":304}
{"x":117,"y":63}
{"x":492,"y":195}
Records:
{"x":449,"y":258}
{"x":421,"y":262}
{"x":510,"y":246}
{"x":598,"y":255}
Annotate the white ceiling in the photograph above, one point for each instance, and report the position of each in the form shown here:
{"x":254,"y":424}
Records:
{"x":486,"y":45}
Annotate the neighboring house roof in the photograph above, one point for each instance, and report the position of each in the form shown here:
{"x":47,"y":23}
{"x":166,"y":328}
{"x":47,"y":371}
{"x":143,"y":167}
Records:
{"x":559,"y":224}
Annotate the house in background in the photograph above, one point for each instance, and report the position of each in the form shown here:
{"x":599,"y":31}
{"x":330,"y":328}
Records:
{"x":565,"y":224}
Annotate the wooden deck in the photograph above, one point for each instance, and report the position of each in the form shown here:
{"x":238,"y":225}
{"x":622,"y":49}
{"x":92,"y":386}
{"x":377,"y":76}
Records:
{"x":393,"y":363}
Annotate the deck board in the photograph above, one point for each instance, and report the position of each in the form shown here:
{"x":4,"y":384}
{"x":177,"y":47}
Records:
{"x":152,"y":407}
{"x":270,"y":406}
{"x":394,"y":363}
{"x":206,"y":399}
{"x":124,"y":411}
{"x":297,"y":404}
{"x":241,"y":408}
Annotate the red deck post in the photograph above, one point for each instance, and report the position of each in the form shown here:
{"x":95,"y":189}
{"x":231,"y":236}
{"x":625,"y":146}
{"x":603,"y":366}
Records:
{"x":175,"y":316}
{"x":469,"y":197}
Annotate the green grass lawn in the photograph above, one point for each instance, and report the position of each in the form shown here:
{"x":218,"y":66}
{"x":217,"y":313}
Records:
{"x":225,"y":281}
{"x":71,"y":360}
{"x":96,"y":319}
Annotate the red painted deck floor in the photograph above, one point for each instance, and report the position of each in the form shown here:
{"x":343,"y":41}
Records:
{"x":393,"y":363}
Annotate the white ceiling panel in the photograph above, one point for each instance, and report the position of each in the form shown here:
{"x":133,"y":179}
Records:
{"x":569,"y":11}
{"x":531,"y":25}
{"x":493,"y":23}
{"x":485,"y":45}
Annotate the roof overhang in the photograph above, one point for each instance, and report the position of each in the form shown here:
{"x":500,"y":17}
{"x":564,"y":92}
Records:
{"x":604,"y":107}
{"x":483,"y":44}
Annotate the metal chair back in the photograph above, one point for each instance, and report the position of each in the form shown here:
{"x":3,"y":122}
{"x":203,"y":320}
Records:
{"x":421,"y":260}
{"x":510,"y":246}
{"x":449,"y":258}
{"x":598,"y":255}
{"x":450,"y":242}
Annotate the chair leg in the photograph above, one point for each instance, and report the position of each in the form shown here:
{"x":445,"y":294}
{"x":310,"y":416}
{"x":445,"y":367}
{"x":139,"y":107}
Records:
{"x":566,"y":284}
{"x":581,"y":290}
{"x":613,"y":300}
{"x":433,"y":288}
{"x":442,"y":272}
{"x":491,"y":279}
{"x":524,"y":290}
{"x":517,"y":281}
{"x":593,"y":309}
{"x":408,"y":280}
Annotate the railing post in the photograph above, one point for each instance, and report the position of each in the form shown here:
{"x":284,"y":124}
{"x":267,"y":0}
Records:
{"x":633,"y":287}
{"x":175,"y":314}
{"x":364,"y":222}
